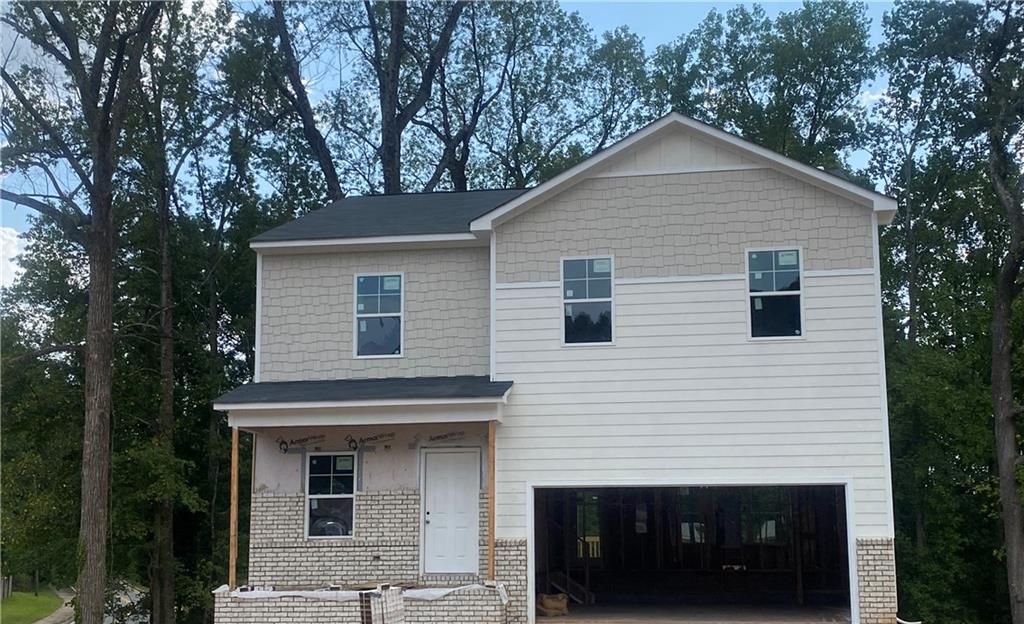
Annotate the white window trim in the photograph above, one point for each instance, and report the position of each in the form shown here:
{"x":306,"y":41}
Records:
{"x":355,"y":481}
{"x":563,"y":301}
{"x":356,"y":316}
{"x":747,"y":294}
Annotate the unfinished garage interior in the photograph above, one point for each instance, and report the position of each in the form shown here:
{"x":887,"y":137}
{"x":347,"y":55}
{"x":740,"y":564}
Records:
{"x":679,"y":550}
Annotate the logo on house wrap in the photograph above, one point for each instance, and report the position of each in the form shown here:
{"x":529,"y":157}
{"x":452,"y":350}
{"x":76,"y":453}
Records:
{"x":446,"y":437}
{"x":369,"y":443}
{"x":285,"y":444}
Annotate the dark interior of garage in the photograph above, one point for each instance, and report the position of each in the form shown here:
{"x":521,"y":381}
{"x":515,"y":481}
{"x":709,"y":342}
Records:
{"x":782,"y":545}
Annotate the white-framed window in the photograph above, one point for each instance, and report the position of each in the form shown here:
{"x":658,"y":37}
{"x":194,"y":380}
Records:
{"x":330,"y":495}
{"x":379,"y":307}
{"x":587,"y":294}
{"x":774,"y":281}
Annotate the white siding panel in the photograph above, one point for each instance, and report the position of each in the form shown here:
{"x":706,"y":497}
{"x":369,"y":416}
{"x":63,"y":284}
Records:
{"x":683,"y":396}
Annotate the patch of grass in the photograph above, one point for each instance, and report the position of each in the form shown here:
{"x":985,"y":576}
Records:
{"x":26,"y":607}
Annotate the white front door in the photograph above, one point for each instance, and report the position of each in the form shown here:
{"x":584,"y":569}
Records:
{"x":451,"y":511}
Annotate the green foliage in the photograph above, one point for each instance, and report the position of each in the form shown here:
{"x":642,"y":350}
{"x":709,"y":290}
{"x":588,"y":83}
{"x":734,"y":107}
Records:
{"x":26,"y":607}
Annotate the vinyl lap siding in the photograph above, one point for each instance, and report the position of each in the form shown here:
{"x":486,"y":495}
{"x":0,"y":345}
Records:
{"x":682,"y":394}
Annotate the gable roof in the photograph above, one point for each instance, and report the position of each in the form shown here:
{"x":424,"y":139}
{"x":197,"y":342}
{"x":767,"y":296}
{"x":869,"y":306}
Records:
{"x":883,"y":205}
{"x":442,"y":215}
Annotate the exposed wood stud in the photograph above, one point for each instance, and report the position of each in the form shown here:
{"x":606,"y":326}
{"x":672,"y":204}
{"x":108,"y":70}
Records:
{"x":233,"y":517}
{"x":491,"y":428}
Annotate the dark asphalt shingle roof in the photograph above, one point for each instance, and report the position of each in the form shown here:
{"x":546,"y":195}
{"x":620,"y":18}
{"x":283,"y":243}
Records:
{"x":342,"y":390}
{"x":392,"y":215}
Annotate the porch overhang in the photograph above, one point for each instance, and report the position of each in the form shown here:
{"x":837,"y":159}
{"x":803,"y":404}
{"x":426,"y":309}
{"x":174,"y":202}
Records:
{"x":365,"y":402}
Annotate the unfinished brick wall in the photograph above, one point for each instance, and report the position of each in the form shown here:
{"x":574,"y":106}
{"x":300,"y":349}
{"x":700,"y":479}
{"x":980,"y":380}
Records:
{"x":385,"y":548}
{"x":469,"y":606}
{"x":510,"y":568}
{"x":876,"y":577}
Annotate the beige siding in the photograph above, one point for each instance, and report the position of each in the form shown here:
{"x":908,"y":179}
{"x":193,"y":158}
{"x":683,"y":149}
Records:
{"x":672,"y":152}
{"x":683,"y":396}
{"x":684,"y":224}
{"x":307,"y":314}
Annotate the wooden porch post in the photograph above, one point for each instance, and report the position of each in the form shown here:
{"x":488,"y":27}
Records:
{"x":491,"y":427}
{"x":233,"y":514}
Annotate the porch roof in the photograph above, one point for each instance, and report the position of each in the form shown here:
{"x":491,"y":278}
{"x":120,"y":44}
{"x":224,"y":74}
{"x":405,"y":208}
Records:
{"x":277,"y":395}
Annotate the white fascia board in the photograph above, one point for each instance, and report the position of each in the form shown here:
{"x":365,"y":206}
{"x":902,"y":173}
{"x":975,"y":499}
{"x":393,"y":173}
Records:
{"x":883,"y":205}
{"x":300,"y":405}
{"x":413,"y":240}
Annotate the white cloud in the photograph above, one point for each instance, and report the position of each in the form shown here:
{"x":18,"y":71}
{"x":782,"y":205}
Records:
{"x":10,"y":246}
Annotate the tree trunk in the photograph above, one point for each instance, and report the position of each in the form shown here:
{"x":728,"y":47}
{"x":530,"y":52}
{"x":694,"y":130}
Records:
{"x":1007,"y":451}
{"x":300,"y":102}
{"x":162,"y":565}
{"x":391,"y":157}
{"x":92,"y":555}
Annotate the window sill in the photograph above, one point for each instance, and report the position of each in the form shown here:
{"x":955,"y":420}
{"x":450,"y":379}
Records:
{"x":379,"y":357}
{"x":577,"y":345}
{"x":775,"y":338}
{"x":320,"y":538}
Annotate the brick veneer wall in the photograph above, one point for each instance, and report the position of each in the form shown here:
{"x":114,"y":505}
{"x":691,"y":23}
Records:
{"x":470,"y":606}
{"x":510,"y":568}
{"x":876,"y":577}
{"x":385,"y":548}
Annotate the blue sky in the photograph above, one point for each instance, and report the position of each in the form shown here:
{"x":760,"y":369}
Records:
{"x":656,"y":22}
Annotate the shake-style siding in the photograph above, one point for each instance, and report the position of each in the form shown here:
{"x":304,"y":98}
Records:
{"x":683,"y":395}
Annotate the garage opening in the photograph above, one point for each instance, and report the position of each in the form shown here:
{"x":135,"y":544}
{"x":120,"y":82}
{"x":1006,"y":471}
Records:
{"x":719,"y":551}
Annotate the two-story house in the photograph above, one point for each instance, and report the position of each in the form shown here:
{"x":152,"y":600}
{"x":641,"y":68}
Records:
{"x":655,"y":379}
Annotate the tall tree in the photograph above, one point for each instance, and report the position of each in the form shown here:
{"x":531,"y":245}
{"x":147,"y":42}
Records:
{"x":985,"y":46}
{"x":89,"y":146}
{"x":298,"y":98}
{"x":792,"y":84}
{"x":402,"y":51}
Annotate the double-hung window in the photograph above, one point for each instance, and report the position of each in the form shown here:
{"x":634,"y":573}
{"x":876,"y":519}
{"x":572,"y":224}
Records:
{"x":378,"y":315}
{"x":773,"y":281}
{"x":330,"y":494}
{"x":587,"y":300}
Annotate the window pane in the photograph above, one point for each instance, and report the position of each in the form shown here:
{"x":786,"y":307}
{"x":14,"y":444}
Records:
{"x":574,"y":269}
{"x":391,"y":284}
{"x":330,"y":516}
{"x":575,"y":289}
{"x":599,"y":288}
{"x":787,"y":260}
{"x":787,"y":280}
{"x":343,"y":463}
{"x":390,"y":303}
{"x":320,"y":485}
{"x":368,"y":285}
{"x":341,"y":485}
{"x":588,"y":322}
{"x":760,"y":260}
{"x":320,"y":464}
{"x":761,"y":281}
{"x":379,"y":336}
{"x":367,"y":304}
{"x":600,"y":267}
{"x":775,"y":316}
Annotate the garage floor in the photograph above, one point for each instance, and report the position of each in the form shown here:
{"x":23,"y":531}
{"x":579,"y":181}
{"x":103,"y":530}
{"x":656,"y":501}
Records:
{"x":658,"y":614}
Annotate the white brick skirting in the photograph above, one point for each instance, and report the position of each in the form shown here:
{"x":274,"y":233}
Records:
{"x":876,"y":578}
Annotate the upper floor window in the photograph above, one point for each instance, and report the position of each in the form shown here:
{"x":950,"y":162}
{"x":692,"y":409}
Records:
{"x":773,"y":281}
{"x":378,"y":315}
{"x":330,"y":495}
{"x":587,"y":300}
